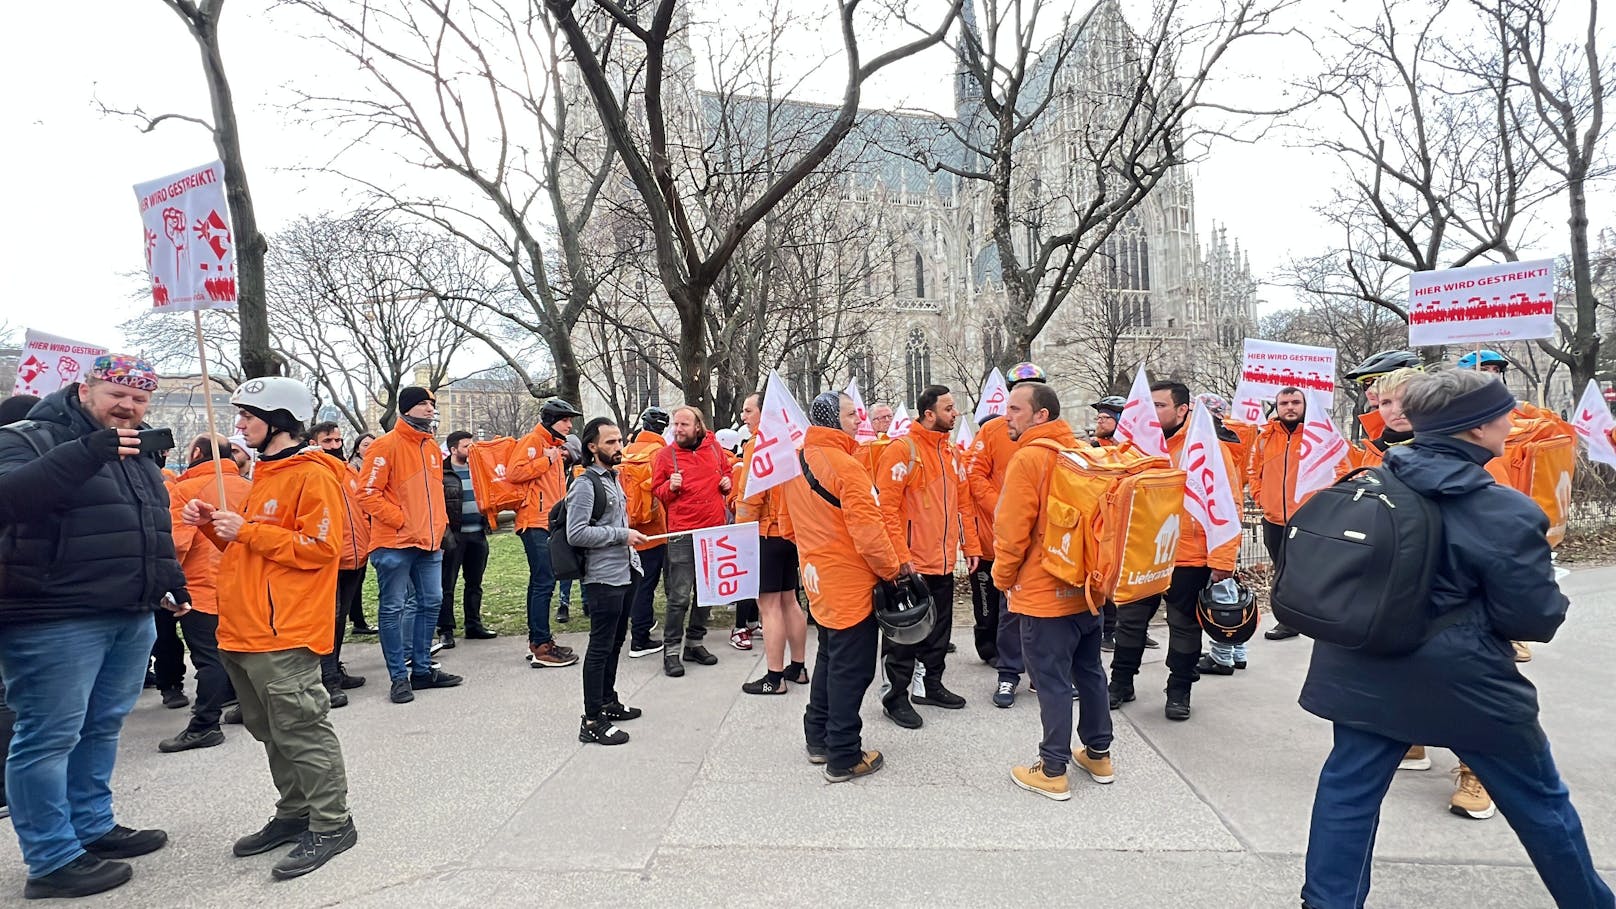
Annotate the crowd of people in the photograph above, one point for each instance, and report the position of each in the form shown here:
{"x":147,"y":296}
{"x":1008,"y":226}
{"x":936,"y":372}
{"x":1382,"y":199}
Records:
{"x":253,"y":554}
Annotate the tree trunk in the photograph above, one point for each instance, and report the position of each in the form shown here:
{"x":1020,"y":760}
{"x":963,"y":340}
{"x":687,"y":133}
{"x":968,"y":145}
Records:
{"x":1584,"y":346}
{"x":690,"y":302}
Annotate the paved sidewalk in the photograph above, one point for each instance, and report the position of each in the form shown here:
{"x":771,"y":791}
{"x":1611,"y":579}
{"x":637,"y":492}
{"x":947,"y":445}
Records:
{"x":482,"y":796}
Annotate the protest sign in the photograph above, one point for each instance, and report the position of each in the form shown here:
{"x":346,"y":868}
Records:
{"x":1268,"y":366}
{"x":1509,"y":302}
{"x":781,"y":428}
{"x":48,"y":363}
{"x":190,"y":250}
{"x":726,"y":563}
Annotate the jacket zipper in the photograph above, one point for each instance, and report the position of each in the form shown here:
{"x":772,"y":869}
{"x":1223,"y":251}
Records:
{"x":1285,"y":479}
{"x":270,"y":594}
{"x":426,"y":544}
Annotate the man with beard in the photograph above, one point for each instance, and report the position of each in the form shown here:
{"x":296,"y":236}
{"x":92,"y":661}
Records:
{"x":924,"y":494}
{"x":690,"y":477}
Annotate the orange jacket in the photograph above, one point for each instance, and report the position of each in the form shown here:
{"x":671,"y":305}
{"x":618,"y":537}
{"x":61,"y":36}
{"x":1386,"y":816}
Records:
{"x":1242,"y":451}
{"x":1275,"y":462}
{"x":1019,"y":531}
{"x":1192,"y":538}
{"x":356,"y":526}
{"x":200,"y":558}
{"x":403,"y":490}
{"x":843,"y":551}
{"x":924,"y":496}
{"x":990,"y":459}
{"x":868,"y":454}
{"x":278,"y":579}
{"x":767,"y":508}
{"x":543,"y":481}
{"x":647,"y":443}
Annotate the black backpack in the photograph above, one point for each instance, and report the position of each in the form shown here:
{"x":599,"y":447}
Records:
{"x":567,"y":560}
{"x":1356,"y":565}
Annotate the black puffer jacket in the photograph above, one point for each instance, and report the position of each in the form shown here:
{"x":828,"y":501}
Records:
{"x":81,"y":536}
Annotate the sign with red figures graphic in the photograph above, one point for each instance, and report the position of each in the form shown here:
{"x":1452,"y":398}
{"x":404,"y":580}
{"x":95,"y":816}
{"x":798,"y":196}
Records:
{"x":189,"y":246}
{"x":1509,"y":302}
{"x":48,"y":363}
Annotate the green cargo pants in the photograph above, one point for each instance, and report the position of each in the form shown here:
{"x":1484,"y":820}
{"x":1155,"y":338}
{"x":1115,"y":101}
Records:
{"x":285,"y":706}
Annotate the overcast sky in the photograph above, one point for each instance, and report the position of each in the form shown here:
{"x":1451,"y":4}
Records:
{"x":73,"y":239}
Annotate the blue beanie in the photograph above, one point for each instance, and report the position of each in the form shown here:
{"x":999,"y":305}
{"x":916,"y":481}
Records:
{"x":1467,"y":411}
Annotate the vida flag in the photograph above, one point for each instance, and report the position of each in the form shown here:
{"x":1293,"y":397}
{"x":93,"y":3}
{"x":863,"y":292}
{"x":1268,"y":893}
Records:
{"x":726,"y":563}
{"x":995,"y":397}
{"x":1138,"y":423}
{"x":1208,"y":488}
{"x":900,"y":422}
{"x":1322,"y":447}
{"x":866,"y":429}
{"x":1593,"y":423}
{"x":780,"y":431}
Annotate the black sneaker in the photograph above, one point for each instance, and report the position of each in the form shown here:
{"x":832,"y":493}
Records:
{"x":600,"y":732}
{"x":671,"y":666}
{"x":1178,"y":707}
{"x":1280,"y":632}
{"x":339,"y":698}
{"x":1208,"y":666}
{"x":938,"y":696}
{"x":695,"y":653}
{"x":437,"y":678}
{"x":315,"y":849}
{"x":1108,"y":643}
{"x":231,"y":716}
{"x":348,"y":682}
{"x":644,"y":649}
{"x":123,"y":842}
{"x":563,"y":616}
{"x":764,"y":685}
{"x":951,"y":648}
{"x":366,"y":629}
{"x":174,"y":698}
{"x":903,"y":714}
{"x":191,"y":738}
{"x":278,"y":832}
{"x":1150,"y":642}
{"x":818,"y":755}
{"x":617,"y":713}
{"x":1120,"y":694}
{"x":83,"y":876}
{"x":402,"y":692}
{"x":447,"y":640}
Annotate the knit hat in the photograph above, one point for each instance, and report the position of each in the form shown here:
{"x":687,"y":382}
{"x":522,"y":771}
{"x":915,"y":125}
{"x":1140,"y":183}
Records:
{"x":826,"y":411}
{"x":125,"y":370}
{"x":1467,"y":411}
{"x":412,"y":395}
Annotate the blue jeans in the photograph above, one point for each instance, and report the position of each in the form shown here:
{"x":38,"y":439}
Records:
{"x":1524,"y":785}
{"x":71,"y":683}
{"x":408,"y":624}
{"x":541,"y":583}
{"x":1227,"y":654}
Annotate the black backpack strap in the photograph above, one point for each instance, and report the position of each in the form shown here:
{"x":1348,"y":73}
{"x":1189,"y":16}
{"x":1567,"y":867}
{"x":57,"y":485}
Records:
{"x":815,"y":485}
{"x":599,"y":507}
{"x":37,"y":434}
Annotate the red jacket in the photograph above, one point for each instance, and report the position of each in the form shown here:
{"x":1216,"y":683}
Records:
{"x":698,"y":502}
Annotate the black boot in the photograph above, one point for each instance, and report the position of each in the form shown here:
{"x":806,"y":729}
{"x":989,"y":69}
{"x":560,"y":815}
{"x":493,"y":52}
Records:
{"x":1178,"y":705}
{"x":81,"y":877}
{"x":315,"y":849}
{"x":1121,"y":692}
{"x":278,"y":832}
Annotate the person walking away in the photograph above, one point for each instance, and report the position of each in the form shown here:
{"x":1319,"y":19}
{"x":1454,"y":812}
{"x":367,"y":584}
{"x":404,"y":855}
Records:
{"x":777,"y":581}
{"x":1060,"y":634}
{"x":538,"y":465}
{"x":611,"y":569}
{"x":199,"y":559}
{"x":468,"y":531}
{"x":690,"y":477}
{"x":277,"y":584}
{"x":845,"y":550}
{"x":403,"y":495}
{"x":646,"y":515}
{"x":1461,"y":688}
{"x":1194,"y":567}
{"x":88,"y":555}
{"x":924,"y":494}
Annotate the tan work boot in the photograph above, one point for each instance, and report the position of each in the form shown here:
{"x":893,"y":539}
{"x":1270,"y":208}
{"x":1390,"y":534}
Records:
{"x":1415,"y":759}
{"x":1470,"y":798}
{"x":868,"y":764}
{"x":1523,"y":653}
{"x":1099,"y":768}
{"x":1033,"y":779}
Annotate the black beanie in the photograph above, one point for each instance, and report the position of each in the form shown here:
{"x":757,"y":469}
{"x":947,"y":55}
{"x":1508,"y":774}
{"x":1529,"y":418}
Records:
{"x":412,"y":395}
{"x":1467,"y":411}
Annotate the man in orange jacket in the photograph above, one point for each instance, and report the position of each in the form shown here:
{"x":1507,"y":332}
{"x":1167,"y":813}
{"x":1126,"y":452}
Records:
{"x":1060,"y":634}
{"x":539,"y":466}
{"x":199,"y":559}
{"x":350,"y":570}
{"x":844,"y":550}
{"x":277,"y":581}
{"x":635,"y":475}
{"x":924,"y":495}
{"x":403,"y":494}
{"x":1194,"y":568}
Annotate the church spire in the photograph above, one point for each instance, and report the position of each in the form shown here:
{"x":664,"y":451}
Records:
{"x":967,"y":89}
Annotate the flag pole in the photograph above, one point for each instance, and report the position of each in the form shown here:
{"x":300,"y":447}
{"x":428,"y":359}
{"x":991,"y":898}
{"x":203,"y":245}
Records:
{"x":207,"y":403}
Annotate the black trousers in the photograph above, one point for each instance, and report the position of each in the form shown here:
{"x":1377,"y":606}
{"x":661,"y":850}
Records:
{"x":213,"y":688}
{"x":1184,"y":632}
{"x":985,"y":611}
{"x":350,"y":589}
{"x":843,"y":671}
{"x":899,"y":659}
{"x":642,"y":610}
{"x":353,"y":605}
{"x":609,"y":608}
{"x":746,"y":613}
{"x":168,"y":651}
{"x":1273,"y":540}
{"x":471,"y":558}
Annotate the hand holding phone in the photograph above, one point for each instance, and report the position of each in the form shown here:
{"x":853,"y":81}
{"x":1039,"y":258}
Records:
{"x":154,"y":440}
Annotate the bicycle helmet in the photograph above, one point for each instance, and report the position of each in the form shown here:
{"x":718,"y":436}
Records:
{"x":1485,"y":358}
{"x":284,"y":403}
{"x":1382,"y":363}
{"x":1111,"y":404}
{"x":655,"y":419}
{"x":555,"y":410}
{"x":1024,"y":372}
{"x":1227,"y":612}
{"x":903,"y":609}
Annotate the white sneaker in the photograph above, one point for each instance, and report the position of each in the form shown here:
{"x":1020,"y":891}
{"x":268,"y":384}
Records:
{"x":436,"y":646}
{"x":1415,"y":759}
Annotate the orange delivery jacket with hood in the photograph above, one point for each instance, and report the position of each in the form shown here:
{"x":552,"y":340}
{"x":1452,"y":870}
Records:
{"x":1019,"y":569}
{"x":925,"y":500}
{"x":543,"y":481}
{"x":990,"y":460}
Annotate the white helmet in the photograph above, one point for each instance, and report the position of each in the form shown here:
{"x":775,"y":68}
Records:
{"x":272,"y":393}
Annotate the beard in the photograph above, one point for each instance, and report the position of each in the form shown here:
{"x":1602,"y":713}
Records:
{"x":694,"y":442}
{"x":608,"y":460}
{"x":1291,"y":422}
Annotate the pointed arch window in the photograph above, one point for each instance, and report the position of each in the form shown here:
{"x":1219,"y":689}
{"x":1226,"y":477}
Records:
{"x":916,"y":364}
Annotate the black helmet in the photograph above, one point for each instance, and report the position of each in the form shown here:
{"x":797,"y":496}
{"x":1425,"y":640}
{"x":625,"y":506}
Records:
{"x":556,"y":409}
{"x":655,"y":419}
{"x":1227,"y":612}
{"x":1111,"y":403}
{"x":1384,"y":362}
{"x":903,"y":609}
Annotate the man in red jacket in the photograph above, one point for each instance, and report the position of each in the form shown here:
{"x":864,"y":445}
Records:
{"x":690,"y":478}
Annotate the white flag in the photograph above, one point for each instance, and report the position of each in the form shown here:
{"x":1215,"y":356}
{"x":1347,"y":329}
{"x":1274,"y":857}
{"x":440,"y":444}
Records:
{"x":1593,"y":422}
{"x":964,"y":435}
{"x":866,"y":429}
{"x":47,"y":363}
{"x":900,"y":422}
{"x":188,"y":244}
{"x":781,"y":428}
{"x":726,"y":563}
{"x":1208,"y":488}
{"x":995,"y":396}
{"x":1138,"y":423}
{"x":1322,"y":446}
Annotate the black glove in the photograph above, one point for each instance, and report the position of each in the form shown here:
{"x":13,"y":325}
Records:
{"x":181,"y":596}
{"x":103,"y":444}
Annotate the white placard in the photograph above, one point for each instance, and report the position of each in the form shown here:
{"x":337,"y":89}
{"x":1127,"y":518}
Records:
{"x":48,"y":363}
{"x":1268,"y":366}
{"x":1509,"y":302}
{"x":189,"y":246}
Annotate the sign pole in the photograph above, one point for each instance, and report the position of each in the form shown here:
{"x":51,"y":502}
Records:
{"x":207,"y":402}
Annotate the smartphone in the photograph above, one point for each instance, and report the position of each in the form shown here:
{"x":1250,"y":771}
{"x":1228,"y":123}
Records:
{"x":155,"y":440}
